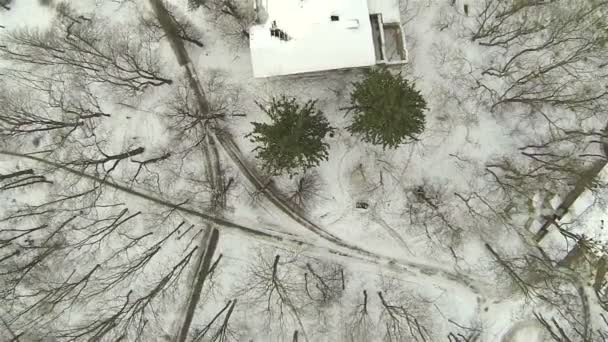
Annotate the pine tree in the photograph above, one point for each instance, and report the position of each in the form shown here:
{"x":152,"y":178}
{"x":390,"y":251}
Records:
{"x":387,"y":108}
{"x":293,"y":141}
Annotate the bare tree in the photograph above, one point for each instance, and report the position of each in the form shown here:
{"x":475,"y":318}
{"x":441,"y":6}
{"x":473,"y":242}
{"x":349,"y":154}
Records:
{"x":359,"y":326}
{"x":493,"y":19}
{"x":545,"y":52}
{"x":559,"y":287}
{"x":21,"y":178}
{"x":124,"y":258}
{"x":128,"y":319}
{"x":85,"y":47}
{"x":186,"y":117}
{"x":78,"y":246}
{"x":464,"y":334}
{"x":563,"y":161}
{"x":429,"y":211}
{"x":304,"y":189}
{"x":74,"y":238}
{"x":274,"y":287}
{"x":219,"y":328}
{"x":324,"y":283}
{"x":62,"y":116}
{"x":234,"y":17}
{"x":402,"y":322}
{"x":185,"y":28}
{"x":51,"y":108}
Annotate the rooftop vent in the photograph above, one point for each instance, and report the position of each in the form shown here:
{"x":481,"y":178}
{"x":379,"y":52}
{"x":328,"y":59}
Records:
{"x":278,"y":33}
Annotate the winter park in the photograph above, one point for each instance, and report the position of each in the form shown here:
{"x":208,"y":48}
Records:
{"x":303,"y":170}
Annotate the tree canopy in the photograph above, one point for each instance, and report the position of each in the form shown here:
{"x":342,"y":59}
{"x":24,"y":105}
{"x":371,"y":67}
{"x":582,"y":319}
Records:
{"x":387,"y":108}
{"x":294,"y":139}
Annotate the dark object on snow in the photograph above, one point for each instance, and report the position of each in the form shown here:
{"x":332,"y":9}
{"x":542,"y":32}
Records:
{"x":361,"y":205}
{"x":4,"y":4}
{"x":277,"y":32}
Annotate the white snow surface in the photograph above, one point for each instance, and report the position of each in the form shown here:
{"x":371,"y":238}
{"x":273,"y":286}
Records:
{"x":525,"y":332}
{"x":26,"y":13}
{"x":320,"y":44}
{"x":316,"y":43}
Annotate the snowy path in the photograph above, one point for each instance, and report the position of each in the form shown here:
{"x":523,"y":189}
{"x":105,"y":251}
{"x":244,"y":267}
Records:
{"x":405,"y":269}
{"x":196,"y":280}
{"x":336,"y":245}
{"x":311,"y":246}
{"x":212,"y":172}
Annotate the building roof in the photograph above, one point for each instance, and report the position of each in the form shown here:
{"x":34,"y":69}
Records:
{"x":390,"y":9}
{"x":308,"y":40}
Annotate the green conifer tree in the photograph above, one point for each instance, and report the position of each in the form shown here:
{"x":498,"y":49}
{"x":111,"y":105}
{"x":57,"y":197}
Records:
{"x":387,"y":109}
{"x":294,"y":139}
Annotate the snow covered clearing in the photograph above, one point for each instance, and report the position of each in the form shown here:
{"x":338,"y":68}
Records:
{"x":133,"y":207}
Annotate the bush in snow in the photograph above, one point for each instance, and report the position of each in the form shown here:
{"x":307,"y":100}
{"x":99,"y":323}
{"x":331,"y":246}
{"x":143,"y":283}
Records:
{"x":293,"y":140}
{"x":304,"y":189}
{"x":387,"y":108}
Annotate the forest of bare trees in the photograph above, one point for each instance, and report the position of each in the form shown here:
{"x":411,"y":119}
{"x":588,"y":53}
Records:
{"x":109,"y":238}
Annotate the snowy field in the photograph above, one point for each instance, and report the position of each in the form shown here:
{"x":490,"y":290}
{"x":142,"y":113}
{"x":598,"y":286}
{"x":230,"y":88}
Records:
{"x":132,"y":207}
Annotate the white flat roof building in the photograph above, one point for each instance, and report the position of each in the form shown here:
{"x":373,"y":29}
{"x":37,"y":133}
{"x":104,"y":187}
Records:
{"x":304,"y":36}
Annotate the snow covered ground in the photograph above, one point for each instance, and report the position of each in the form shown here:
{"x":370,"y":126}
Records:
{"x":454,"y":262}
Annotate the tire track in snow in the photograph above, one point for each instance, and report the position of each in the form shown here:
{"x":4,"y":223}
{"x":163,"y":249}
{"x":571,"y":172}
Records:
{"x":424,"y":269}
{"x":210,"y":159}
{"x":343,"y":248}
{"x":281,"y":239}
